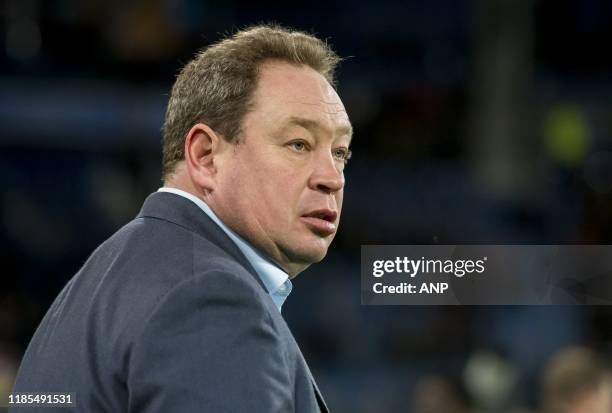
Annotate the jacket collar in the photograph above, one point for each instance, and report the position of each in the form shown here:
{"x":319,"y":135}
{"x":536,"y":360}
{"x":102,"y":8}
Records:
{"x":181,"y":211}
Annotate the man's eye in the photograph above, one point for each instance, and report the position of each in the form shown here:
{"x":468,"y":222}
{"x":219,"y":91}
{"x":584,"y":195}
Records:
{"x":298,"y":146}
{"x":342,"y":154}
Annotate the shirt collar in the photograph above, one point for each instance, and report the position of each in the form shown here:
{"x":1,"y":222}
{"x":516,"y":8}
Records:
{"x":277,"y":281}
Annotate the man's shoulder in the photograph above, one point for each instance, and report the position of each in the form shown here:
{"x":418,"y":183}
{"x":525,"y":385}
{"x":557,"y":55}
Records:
{"x":151,"y":253}
{"x":147,"y":277}
{"x":147,"y":264}
{"x":170,"y":229}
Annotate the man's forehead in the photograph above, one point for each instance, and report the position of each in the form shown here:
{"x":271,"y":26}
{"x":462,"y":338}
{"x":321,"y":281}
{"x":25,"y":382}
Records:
{"x":339,"y":128}
{"x":298,"y":95}
{"x":299,"y":84}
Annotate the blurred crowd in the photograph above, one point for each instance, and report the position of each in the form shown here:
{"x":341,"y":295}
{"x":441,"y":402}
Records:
{"x":575,"y":380}
{"x":485,"y":121}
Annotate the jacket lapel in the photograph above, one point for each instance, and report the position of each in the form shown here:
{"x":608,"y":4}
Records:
{"x":302,"y":360}
{"x":320,"y":401}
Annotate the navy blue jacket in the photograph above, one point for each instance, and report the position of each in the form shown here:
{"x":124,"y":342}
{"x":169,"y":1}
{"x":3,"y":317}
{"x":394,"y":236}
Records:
{"x":167,"y":315}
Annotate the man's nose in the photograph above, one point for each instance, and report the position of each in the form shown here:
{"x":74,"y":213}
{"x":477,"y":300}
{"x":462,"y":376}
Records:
{"x":327,"y":175}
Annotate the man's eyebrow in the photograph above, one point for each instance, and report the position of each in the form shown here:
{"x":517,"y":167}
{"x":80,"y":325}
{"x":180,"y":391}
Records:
{"x":312,"y":124}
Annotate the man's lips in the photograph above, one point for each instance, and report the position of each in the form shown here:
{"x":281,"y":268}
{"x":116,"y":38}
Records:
{"x":321,"y":221}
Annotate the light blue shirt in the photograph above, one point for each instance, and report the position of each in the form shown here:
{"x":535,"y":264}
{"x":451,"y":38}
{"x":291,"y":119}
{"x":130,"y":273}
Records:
{"x":277,"y":281}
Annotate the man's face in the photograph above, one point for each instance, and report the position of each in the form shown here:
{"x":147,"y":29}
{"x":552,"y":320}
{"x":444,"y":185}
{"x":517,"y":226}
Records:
{"x":599,"y":400}
{"x":281,"y":187}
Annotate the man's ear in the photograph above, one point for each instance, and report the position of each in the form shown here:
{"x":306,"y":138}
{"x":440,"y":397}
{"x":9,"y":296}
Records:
{"x":202,"y":145}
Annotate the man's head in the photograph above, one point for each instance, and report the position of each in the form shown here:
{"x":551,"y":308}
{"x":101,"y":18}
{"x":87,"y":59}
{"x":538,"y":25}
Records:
{"x":577,"y":380}
{"x":255,"y":128}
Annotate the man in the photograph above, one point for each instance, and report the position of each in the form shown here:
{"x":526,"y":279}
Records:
{"x":577,"y":380}
{"x":179,"y":311}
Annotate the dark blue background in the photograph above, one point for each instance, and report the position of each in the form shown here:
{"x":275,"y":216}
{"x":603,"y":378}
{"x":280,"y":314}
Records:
{"x":476,"y":122}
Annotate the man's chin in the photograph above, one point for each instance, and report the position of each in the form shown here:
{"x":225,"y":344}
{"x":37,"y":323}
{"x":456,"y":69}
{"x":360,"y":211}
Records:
{"x":307,"y":254}
{"x":313,"y":254}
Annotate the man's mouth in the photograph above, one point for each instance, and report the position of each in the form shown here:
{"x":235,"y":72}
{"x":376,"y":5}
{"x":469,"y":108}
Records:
{"x":321,"y":221}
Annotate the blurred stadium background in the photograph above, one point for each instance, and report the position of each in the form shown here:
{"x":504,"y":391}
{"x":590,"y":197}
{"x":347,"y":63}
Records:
{"x":483,"y":121}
